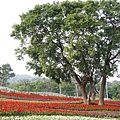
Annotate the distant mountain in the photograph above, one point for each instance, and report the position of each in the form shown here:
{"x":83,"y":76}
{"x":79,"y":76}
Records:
{"x":19,"y":77}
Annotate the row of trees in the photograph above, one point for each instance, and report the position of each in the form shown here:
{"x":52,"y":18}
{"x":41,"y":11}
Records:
{"x":114,"y":90}
{"x":44,"y":86}
{"x":72,"y":40}
{"x":68,"y":89}
{"x":6,"y":72}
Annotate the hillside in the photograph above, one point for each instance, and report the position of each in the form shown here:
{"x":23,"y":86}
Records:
{"x":19,"y":77}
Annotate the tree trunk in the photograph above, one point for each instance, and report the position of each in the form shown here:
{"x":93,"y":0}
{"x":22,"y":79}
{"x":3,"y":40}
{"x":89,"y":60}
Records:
{"x":93,"y":95}
{"x":83,"y":92}
{"x":93,"y":92}
{"x":88,"y":97}
{"x":102,"y":88}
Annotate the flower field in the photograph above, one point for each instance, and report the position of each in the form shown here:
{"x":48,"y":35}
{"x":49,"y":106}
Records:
{"x":20,"y":104}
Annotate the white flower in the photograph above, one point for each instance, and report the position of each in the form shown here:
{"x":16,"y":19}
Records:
{"x":53,"y":117}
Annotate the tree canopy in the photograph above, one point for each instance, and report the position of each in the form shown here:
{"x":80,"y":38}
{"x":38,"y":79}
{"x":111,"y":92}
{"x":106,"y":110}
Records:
{"x":71,"y":40}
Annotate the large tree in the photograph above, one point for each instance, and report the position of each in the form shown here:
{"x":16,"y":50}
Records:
{"x":109,"y":43}
{"x":69,"y":40}
{"x":6,"y":72}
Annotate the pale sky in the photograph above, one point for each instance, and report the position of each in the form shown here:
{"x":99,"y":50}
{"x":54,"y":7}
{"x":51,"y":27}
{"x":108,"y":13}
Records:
{"x":9,"y":15}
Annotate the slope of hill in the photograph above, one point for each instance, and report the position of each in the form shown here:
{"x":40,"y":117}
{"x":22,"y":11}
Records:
{"x":19,"y":77}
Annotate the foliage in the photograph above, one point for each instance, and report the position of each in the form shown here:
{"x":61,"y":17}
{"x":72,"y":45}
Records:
{"x":71,"y":39}
{"x":43,"y":85}
{"x":67,"y":88}
{"x":114,"y":90}
{"x":6,"y":72}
